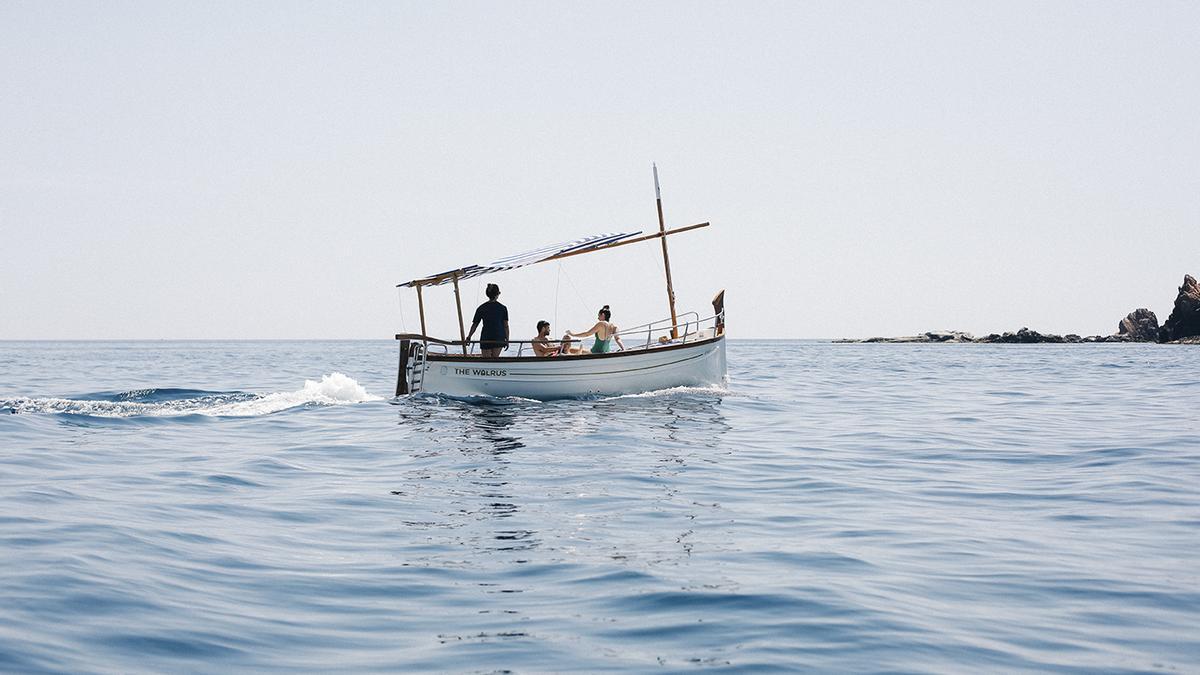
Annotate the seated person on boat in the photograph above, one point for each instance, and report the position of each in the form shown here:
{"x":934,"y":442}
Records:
{"x":541,"y":345}
{"x":567,"y":345}
{"x":604,"y":330}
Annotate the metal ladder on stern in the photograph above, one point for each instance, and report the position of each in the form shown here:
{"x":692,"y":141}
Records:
{"x":415,"y":371}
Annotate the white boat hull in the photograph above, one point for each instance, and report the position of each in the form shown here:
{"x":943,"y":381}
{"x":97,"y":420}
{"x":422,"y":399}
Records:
{"x":635,"y":371}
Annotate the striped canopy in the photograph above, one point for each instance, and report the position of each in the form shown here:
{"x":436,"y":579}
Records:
{"x":512,"y":262}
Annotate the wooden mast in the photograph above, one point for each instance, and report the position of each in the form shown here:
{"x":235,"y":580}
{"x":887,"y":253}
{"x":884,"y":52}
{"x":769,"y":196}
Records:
{"x":462,"y":331}
{"x":662,"y":231}
{"x":421,"y":307}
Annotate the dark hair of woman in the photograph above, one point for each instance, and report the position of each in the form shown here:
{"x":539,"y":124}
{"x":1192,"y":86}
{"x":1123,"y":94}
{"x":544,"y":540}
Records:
{"x":493,"y":291}
{"x":606,"y":312}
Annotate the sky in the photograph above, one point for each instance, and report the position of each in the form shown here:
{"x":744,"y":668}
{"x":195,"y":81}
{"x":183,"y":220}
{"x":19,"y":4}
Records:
{"x":272,"y":170}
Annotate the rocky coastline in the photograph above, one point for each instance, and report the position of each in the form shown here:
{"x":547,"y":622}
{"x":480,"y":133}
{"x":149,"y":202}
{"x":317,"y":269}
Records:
{"x":1140,"y":325}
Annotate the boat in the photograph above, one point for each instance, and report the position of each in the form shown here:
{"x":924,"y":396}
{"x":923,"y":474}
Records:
{"x":682,"y":350}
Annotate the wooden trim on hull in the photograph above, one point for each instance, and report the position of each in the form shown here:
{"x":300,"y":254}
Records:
{"x":458,"y":358}
{"x":605,"y":373}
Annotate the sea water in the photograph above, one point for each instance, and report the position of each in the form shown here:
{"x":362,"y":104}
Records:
{"x":231,"y":506}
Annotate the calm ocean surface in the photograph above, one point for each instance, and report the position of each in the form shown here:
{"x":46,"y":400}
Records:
{"x":196,"y":506}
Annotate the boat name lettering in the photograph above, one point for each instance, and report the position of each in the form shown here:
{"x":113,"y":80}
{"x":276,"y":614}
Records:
{"x":481,"y":372}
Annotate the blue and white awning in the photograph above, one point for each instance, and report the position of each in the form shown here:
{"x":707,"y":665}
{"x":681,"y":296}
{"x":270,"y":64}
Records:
{"x":537,"y":255}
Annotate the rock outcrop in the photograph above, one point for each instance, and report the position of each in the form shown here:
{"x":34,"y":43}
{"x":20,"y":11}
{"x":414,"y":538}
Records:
{"x":1184,"y":321}
{"x":1140,"y":325}
{"x":1022,"y":337}
{"x":1025,"y":336}
{"x":931,"y":336}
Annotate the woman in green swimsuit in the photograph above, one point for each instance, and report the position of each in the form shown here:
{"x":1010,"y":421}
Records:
{"x":604,"y":331}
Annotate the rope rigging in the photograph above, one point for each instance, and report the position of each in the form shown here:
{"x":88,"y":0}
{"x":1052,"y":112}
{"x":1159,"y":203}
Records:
{"x":557,"y":283}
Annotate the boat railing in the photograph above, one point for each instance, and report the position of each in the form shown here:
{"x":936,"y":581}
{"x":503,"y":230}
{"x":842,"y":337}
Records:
{"x":690,"y":328}
{"x":662,"y":327}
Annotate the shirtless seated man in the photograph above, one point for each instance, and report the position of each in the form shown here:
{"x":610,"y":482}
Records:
{"x":541,"y":345}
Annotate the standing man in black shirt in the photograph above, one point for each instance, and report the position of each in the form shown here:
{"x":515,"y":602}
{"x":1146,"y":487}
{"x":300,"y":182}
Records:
{"x":494,"y":337}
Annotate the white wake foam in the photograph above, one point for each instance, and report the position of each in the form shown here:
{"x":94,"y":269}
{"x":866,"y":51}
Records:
{"x":332,"y":389}
{"x":712,"y":390}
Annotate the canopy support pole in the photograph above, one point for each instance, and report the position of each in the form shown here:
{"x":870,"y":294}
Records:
{"x":421,"y":309}
{"x":462,"y":332}
{"x":662,"y":232}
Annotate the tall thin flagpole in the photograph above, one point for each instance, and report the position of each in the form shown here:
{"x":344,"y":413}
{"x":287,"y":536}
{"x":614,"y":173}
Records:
{"x":662,"y":231}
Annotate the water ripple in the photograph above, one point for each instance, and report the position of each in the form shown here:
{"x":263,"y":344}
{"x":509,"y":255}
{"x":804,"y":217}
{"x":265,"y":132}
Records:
{"x":838,"y":508}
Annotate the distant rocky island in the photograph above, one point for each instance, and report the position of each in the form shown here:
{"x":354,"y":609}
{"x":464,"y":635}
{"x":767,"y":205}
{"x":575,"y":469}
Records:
{"x":1140,"y":325}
